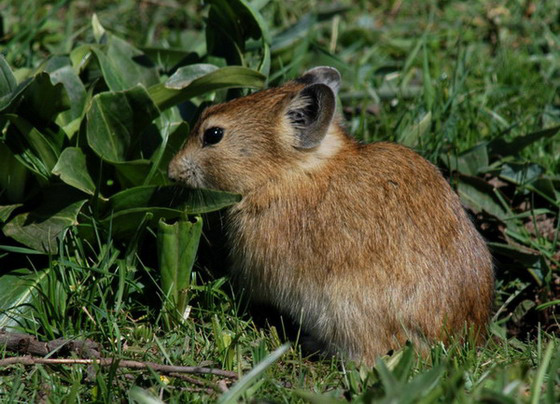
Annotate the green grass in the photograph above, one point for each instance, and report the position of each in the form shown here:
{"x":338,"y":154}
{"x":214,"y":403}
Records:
{"x":461,"y":82}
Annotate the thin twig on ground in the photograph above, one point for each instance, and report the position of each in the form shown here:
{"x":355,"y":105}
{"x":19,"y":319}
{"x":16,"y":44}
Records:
{"x":130,"y":364}
{"x":89,"y":351}
{"x":219,"y":387}
{"x":29,"y":344}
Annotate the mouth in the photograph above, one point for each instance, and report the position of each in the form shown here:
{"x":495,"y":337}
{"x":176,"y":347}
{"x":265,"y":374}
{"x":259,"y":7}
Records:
{"x":185,"y":172}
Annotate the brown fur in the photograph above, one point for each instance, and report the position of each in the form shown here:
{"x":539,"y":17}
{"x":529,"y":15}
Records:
{"x":366,"y":245}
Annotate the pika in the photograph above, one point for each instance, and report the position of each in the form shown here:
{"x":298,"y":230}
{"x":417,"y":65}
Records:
{"x":366,"y":246}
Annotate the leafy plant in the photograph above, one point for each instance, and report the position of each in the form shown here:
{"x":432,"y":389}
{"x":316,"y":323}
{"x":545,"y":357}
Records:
{"x":86,"y":143}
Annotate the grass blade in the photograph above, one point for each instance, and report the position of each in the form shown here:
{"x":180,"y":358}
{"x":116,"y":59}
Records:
{"x":246,"y":381}
{"x":538,"y":383}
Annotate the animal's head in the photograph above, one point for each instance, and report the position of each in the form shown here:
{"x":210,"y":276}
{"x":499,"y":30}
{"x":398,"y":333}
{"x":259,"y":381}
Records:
{"x":237,"y":145}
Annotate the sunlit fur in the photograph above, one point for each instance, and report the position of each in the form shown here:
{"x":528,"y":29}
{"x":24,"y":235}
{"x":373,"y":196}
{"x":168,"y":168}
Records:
{"x":366,"y":245}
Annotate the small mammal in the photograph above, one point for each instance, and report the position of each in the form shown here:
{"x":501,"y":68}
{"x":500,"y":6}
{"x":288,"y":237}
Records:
{"x":366,"y":246}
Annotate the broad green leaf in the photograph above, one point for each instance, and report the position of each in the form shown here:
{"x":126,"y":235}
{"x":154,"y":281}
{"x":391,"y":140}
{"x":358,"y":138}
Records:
{"x":8,"y":85}
{"x":174,"y":136}
{"x":31,"y":147}
{"x":33,"y":106}
{"x":521,"y":174}
{"x":170,"y":117}
{"x":185,"y":75}
{"x":54,"y":62}
{"x":226,"y":77}
{"x":111,"y":74}
{"x":39,"y":229}
{"x":515,"y":253}
{"x":251,"y":15}
{"x":126,"y":222}
{"x":123,"y":66}
{"x":474,"y":161}
{"x":22,"y":75}
{"x":80,"y":57}
{"x":135,"y":173}
{"x":70,"y":120}
{"x":72,"y":169}
{"x":9,"y":102}
{"x":411,"y":135}
{"x":403,"y":368}
{"x":116,"y":119}
{"x":7,"y":81}
{"x":16,"y":290}
{"x":480,"y":196}
{"x":470,"y":162}
{"x":547,"y":188}
{"x":13,"y":175}
{"x":197,"y":201}
{"x":6,"y":211}
{"x":177,"y":245}
{"x":264,"y":67}
{"x":98,"y":30}
{"x":169,"y":58}
{"x":230,"y":24}
{"x":191,"y":201}
{"x":502,"y":147}
{"x":128,"y":208}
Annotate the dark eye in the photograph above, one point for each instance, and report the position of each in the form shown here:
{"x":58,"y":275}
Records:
{"x":212,"y":136}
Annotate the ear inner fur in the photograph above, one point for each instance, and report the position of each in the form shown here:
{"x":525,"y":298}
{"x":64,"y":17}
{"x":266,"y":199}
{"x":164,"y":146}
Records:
{"x":310,"y":114}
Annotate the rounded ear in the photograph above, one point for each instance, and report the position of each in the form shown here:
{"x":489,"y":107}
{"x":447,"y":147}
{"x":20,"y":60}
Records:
{"x":324,"y":75}
{"x":310,"y":113}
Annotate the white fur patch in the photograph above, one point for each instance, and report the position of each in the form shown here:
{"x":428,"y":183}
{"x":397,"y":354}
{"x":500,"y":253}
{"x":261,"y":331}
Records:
{"x":329,"y":147}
